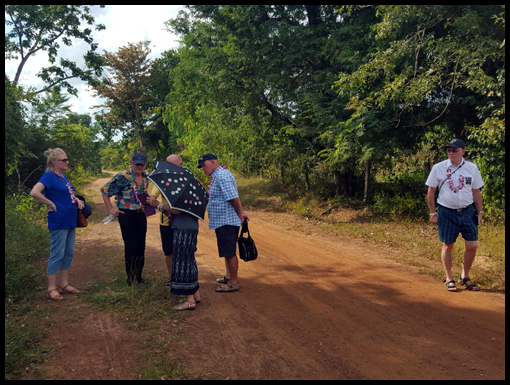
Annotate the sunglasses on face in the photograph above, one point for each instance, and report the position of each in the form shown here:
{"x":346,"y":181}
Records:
{"x":452,"y":150}
{"x":63,"y":160}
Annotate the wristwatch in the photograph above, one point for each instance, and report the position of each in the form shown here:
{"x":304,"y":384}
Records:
{"x":160,"y":208}
{"x":480,"y":212}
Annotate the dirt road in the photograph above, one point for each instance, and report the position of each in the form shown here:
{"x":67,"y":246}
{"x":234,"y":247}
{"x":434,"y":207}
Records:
{"x":312,"y":306}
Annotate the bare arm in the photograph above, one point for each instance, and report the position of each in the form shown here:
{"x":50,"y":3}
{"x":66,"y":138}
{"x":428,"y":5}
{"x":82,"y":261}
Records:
{"x":153,"y":201}
{"x":477,"y":199}
{"x":108,"y":203}
{"x":236,"y":202}
{"x":38,"y":196}
{"x":431,"y":200}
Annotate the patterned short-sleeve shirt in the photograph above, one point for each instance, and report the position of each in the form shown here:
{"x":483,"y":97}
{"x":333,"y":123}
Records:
{"x":220,"y":210}
{"x":123,"y":186}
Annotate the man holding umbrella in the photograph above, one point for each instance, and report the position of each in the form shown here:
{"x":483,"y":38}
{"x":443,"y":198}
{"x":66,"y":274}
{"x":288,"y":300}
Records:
{"x":225,"y":217}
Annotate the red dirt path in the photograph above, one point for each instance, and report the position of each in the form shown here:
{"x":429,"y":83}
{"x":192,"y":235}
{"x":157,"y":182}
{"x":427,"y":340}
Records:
{"x":312,"y":306}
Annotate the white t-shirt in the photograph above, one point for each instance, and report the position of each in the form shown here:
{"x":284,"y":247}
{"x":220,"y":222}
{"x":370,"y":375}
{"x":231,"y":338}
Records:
{"x":449,"y":195}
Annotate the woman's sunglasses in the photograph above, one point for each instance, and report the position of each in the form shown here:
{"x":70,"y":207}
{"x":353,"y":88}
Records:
{"x":64,"y":160}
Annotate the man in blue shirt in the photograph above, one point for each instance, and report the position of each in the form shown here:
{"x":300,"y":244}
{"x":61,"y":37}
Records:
{"x":225,"y":217}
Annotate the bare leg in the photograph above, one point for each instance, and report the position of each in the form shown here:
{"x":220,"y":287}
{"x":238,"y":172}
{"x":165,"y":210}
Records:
{"x":232,"y":266}
{"x":64,"y":282}
{"x":446,"y":257}
{"x":227,"y":274}
{"x":168,"y":259}
{"x":52,"y":281}
{"x":469,"y":257}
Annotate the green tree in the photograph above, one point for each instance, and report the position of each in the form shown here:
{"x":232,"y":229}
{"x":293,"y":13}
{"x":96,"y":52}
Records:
{"x":436,"y":66}
{"x":129,"y":103}
{"x":34,"y":28}
{"x":266,"y":71}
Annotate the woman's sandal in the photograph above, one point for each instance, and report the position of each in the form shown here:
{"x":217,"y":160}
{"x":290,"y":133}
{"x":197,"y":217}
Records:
{"x":56,"y":297}
{"x":469,"y":286}
{"x":197,"y":300}
{"x":185,"y":306}
{"x":450,"y":287}
{"x":223,"y":280}
{"x":62,"y":290}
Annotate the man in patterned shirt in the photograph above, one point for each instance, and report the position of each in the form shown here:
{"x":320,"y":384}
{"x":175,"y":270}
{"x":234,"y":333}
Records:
{"x":225,"y":217}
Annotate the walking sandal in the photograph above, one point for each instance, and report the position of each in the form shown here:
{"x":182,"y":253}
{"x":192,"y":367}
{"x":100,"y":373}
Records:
{"x":450,"y":287}
{"x":469,"y":286}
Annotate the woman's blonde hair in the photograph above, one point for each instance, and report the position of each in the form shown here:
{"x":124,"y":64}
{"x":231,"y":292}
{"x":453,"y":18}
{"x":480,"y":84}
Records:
{"x":52,"y":155}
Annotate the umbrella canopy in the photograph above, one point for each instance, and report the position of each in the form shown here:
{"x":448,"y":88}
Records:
{"x":180,"y":188}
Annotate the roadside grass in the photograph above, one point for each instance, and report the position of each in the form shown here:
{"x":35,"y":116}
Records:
{"x":409,"y":241}
{"x":24,"y":314}
{"x":145,"y":307}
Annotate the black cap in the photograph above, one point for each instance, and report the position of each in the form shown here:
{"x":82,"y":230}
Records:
{"x":139,"y":158}
{"x":456,"y":143}
{"x":205,"y":157}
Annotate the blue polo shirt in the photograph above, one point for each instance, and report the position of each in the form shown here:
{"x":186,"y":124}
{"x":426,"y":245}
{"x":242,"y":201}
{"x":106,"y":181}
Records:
{"x":58,"y":193}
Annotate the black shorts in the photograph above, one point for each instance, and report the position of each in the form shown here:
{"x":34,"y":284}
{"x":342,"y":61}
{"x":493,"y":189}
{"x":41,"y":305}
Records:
{"x":226,"y":236}
{"x":167,"y":239}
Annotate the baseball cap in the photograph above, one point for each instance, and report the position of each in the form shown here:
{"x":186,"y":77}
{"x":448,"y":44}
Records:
{"x":205,"y":157}
{"x":139,"y":158}
{"x":456,"y":143}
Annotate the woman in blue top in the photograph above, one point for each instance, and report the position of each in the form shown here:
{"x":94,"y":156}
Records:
{"x":62,"y":211}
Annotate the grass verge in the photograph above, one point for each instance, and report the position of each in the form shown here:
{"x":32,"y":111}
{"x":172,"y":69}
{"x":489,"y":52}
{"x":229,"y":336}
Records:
{"x":410,"y":241}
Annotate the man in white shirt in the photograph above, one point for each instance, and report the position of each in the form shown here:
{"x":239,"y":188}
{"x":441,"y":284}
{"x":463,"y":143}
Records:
{"x":459,"y":182}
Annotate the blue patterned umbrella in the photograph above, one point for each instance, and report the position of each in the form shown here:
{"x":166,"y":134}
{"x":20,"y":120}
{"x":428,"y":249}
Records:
{"x":180,"y":188}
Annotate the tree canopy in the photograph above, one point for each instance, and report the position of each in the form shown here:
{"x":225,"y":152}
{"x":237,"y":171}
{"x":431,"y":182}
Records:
{"x":34,"y":28}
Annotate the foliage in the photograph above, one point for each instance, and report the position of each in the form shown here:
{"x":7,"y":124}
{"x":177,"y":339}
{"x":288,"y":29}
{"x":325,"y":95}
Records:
{"x":128,"y":104}
{"x":259,"y":86}
{"x":254,"y":82}
{"x":15,"y":128}
{"x":34,"y":28}
{"x":23,"y":221}
{"x":439,"y":64}
{"x":48,"y":123}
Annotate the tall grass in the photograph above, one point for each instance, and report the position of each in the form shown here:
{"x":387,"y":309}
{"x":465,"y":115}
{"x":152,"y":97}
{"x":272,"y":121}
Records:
{"x":26,"y":244}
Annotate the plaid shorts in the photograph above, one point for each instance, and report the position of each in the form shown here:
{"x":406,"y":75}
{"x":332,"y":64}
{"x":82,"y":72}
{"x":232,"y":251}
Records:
{"x":451,"y":223}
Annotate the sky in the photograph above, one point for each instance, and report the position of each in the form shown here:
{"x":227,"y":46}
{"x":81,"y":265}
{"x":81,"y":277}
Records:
{"x":124,"y":24}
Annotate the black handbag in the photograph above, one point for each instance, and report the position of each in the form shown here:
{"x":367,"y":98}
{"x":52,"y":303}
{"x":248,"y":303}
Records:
{"x":247,"y":249}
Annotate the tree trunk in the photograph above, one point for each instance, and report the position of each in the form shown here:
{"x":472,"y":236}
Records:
{"x":340,"y":180}
{"x":367,"y":180}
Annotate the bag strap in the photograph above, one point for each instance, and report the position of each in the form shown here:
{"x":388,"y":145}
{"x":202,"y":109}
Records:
{"x":244,"y":229}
